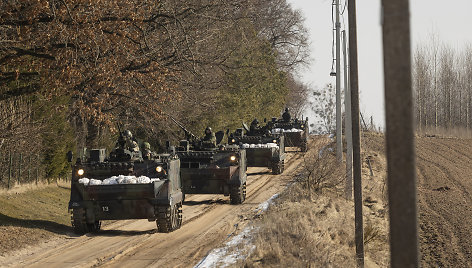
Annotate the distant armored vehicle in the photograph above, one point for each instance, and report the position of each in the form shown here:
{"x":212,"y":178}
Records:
{"x":208,"y":167}
{"x":125,"y":186}
{"x":263,"y":149}
{"x":295,"y":131}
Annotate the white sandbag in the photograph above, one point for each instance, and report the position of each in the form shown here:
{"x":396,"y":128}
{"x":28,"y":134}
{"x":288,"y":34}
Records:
{"x":95,"y":182}
{"x":110,"y":181}
{"x":155,"y":179}
{"x":84,"y":181}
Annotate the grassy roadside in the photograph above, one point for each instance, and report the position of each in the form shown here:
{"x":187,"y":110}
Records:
{"x":29,"y":217}
{"x":315,"y":228}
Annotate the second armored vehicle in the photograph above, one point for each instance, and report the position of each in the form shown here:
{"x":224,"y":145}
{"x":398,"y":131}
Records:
{"x":208,"y":167}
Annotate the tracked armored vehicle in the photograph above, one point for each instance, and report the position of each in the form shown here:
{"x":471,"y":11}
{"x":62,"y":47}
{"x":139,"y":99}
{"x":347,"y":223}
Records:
{"x":155,"y":194}
{"x":219,"y":170}
{"x":295,"y":131}
{"x":209,"y":169}
{"x":263,"y":149}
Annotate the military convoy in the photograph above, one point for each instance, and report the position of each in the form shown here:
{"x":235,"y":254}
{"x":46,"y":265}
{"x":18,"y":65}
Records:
{"x":125,"y":186}
{"x":134,"y":184}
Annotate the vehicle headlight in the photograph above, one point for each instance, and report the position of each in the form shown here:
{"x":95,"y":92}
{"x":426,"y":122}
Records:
{"x":80,"y":172}
{"x":232,"y":158}
{"x":233,"y":140}
{"x":159,"y":169}
{"x":274,"y":141}
{"x":302,"y":126}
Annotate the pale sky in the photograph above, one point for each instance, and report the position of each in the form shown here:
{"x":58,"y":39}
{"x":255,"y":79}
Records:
{"x":449,"y":20}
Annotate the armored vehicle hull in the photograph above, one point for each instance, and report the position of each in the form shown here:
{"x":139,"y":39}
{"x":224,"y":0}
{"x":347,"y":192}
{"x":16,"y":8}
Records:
{"x":295,"y":133}
{"x":263,"y":151}
{"x":215,"y":172}
{"x":159,"y":199}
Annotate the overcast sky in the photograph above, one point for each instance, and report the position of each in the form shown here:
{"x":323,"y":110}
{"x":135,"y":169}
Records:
{"x":449,"y":20}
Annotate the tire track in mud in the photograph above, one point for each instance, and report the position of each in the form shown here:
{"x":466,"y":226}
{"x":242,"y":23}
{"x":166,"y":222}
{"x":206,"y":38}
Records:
{"x":445,"y":203}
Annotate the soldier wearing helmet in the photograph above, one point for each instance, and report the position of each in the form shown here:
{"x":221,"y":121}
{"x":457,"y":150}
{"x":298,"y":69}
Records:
{"x":209,"y":140}
{"x":126,"y":141}
{"x":254,"y":129}
{"x":147,"y":153}
{"x":286,"y":115}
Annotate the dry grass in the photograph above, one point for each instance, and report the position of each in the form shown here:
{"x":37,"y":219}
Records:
{"x":305,"y":233}
{"x":29,"y":216}
{"x":314,"y":227}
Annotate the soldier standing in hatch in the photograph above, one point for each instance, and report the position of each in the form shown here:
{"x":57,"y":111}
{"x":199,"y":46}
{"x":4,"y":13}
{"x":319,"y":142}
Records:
{"x":147,"y":153}
{"x":254,"y":129}
{"x":126,"y":141}
{"x":209,"y":140}
{"x":286,"y":115}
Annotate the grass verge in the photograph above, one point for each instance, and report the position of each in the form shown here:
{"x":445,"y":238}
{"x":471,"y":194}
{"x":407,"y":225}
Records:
{"x":29,"y":217}
{"x":311,"y":224}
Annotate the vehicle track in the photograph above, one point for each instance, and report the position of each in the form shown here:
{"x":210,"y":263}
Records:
{"x":207,"y":221}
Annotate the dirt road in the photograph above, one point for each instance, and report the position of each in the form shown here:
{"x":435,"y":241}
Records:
{"x":208,"y":220}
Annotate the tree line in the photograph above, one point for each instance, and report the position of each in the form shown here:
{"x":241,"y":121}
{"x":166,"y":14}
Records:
{"x":442,"y":81}
{"x":71,"y":70}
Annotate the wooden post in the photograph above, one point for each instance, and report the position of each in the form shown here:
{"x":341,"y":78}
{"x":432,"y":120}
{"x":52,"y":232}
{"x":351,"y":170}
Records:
{"x":348,"y":124}
{"x":356,"y":138}
{"x":401,"y":168}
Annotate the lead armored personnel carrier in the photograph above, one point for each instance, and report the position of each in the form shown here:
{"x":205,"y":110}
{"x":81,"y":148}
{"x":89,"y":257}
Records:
{"x":125,"y":186}
{"x":208,"y":169}
{"x":263,"y":148}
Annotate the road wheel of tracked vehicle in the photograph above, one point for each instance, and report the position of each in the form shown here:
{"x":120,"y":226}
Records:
{"x":278,"y":168}
{"x":169,"y":218}
{"x":78,"y":221}
{"x":94,"y":227}
{"x":237,"y":194}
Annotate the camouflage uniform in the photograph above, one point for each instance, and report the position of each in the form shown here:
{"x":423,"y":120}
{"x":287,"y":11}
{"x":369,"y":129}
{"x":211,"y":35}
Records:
{"x":209,"y":140}
{"x":254,"y":129}
{"x":286,"y":115}
{"x":147,"y":153}
{"x":126,"y":141}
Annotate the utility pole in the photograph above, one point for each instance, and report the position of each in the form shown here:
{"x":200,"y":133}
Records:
{"x":356,"y":139}
{"x":348,"y":124}
{"x":339,"y":137}
{"x":400,"y":134}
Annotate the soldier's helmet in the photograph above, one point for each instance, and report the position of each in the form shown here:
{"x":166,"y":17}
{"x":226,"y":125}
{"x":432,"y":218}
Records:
{"x":146,"y":145}
{"x":208,"y":130}
{"x":286,"y":110}
{"x":128,"y":134}
{"x":255,"y":122}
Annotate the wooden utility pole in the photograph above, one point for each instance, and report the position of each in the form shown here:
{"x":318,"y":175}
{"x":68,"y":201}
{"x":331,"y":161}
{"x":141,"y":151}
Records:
{"x":356,"y":138}
{"x":400,"y":134}
{"x":348,"y":124}
{"x":339,"y":136}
